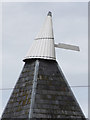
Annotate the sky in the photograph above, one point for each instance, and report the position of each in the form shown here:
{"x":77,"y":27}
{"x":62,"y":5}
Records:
{"x":20,"y":25}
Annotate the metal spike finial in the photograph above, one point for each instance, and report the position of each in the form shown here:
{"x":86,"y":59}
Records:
{"x":49,"y":14}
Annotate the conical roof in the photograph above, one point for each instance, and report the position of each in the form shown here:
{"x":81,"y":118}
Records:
{"x":43,"y":45}
{"x":42,"y":92}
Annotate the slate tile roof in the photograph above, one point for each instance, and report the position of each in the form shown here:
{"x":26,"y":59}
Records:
{"x":42,"y":92}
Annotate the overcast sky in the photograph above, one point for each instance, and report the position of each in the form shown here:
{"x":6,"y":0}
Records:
{"x":21,"y":23}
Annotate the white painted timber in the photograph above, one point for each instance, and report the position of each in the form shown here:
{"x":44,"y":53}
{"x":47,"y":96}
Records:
{"x":43,"y":45}
{"x":67,"y":46}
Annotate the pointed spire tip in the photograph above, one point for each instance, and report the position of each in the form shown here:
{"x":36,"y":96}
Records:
{"x":49,"y":14}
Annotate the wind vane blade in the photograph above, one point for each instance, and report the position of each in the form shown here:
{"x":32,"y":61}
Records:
{"x":67,"y":46}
